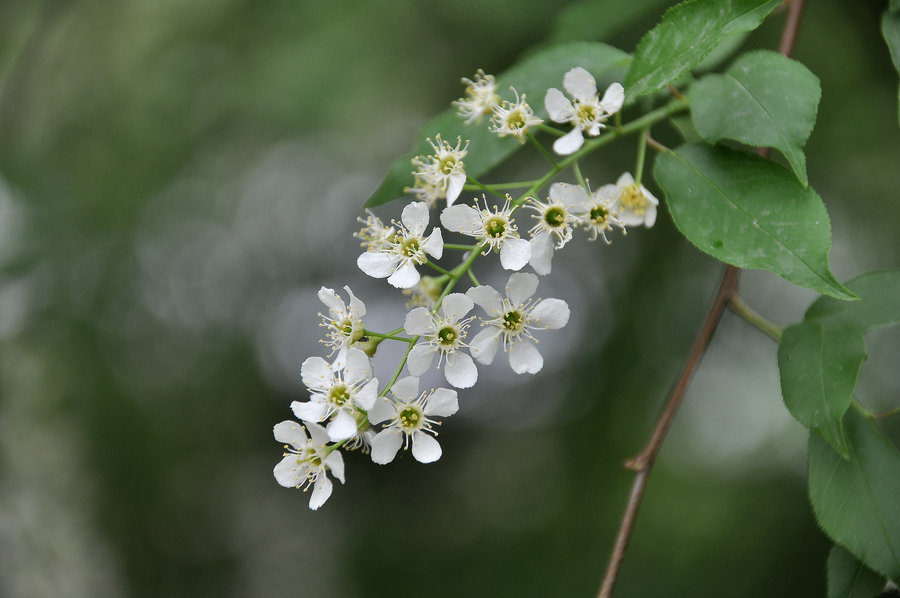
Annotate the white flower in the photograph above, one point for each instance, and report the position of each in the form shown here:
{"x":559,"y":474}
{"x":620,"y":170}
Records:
{"x":339,"y":391}
{"x":441,"y":174}
{"x":598,"y":214}
{"x":374,"y":234}
{"x":512,"y":320}
{"x":585,"y":111}
{"x":343,"y":325}
{"x":555,"y":218}
{"x":637,"y":206}
{"x":444,"y":333}
{"x":307,"y":460}
{"x":495,"y":228}
{"x":410,"y":418}
{"x":398,"y":261}
{"x":514,"y":118}
{"x":480,"y":99}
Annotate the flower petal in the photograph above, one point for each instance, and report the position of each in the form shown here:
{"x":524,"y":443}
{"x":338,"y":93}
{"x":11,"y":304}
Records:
{"x":456,"y":305}
{"x":569,"y":143}
{"x":443,"y":402}
{"x":625,"y":179}
{"x":321,"y":492}
{"x":484,"y":346}
{"x":524,"y":358}
{"x":377,"y":264}
{"x":613,"y":98}
{"x":356,"y":367}
{"x":580,"y":84}
{"x":365,"y":396}
{"x":385,"y":445}
{"x":419,"y":321}
{"x":460,"y":370}
{"x":455,"y":186}
{"x":551,"y":314}
{"x":650,"y":215}
{"x":461,"y":219}
{"x":331,"y":300}
{"x":434,"y":244}
{"x":406,"y":276}
{"x":419,"y":359}
{"x":286,"y":471}
{"x":425,"y":448}
{"x":382,"y":410}
{"x":514,"y":253}
{"x":357,"y":307}
{"x":415,"y":217}
{"x":309,"y":411}
{"x":520,"y":287}
{"x":558,"y":106}
{"x":292,"y":433}
{"x":342,"y":427}
{"x":316,"y":374}
{"x":487,"y":298}
{"x":335,"y":463}
{"x":317,"y":434}
{"x":406,"y":389}
{"x":541,"y":253}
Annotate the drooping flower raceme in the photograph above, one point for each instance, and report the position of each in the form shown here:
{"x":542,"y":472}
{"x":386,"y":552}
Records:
{"x":555,"y":219}
{"x":398,"y":261}
{"x":599,"y":212}
{"x":409,"y":418}
{"x":585,"y":110}
{"x":514,"y":118}
{"x":343,"y":325}
{"x":444,"y":333}
{"x":637,"y":206}
{"x":481,"y":97}
{"x":440,"y":175}
{"x":307,"y":460}
{"x":512,"y":320}
{"x":339,"y":390}
{"x":493,"y":227}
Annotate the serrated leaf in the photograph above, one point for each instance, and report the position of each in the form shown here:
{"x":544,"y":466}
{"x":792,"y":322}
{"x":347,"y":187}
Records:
{"x":855,"y":500}
{"x":686,"y":34}
{"x":763,"y":99}
{"x":848,"y":578}
{"x":532,"y":76}
{"x":890,"y":29}
{"x":819,"y":368}
{"x":749,"y":212}
{"x":879,"y":305}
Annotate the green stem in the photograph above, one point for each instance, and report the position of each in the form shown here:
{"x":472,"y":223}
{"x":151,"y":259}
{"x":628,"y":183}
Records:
{"x":474,"y":280}
{"x":460,"y":247}
{"x":642,"y":153}
{"x":389,"y":335}
{"x":397,"y":372}
{"x":888,"y":413}
{"x":434,"y":266}
{"x":541,"y":149}
{"x":550,"y":130}
{"x":581,"y":180}
{"x":771,"y":329}
{"x":479,"y":185}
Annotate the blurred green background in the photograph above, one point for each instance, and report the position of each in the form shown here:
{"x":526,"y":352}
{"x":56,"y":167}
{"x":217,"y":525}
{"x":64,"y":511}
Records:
{"x":177,"y":180}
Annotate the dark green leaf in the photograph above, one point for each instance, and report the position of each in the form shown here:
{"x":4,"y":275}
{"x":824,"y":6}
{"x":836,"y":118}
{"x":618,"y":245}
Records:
{"x":599,"y":19}
{"x":848,"y":578}
{"x":749,"y":212}
{"x":687,"y":33}
{"x":879,"y":306}
{"x":819,"y":367}
{"x":763,"y":99}
{"x":890,"y":29}
{"x":856,"y":500}
{"x":532,"y":77}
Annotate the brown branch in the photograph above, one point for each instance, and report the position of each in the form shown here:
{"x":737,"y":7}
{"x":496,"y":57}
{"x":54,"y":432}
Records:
{"x":728,"y":290}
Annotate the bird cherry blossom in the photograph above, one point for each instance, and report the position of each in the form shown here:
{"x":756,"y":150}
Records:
{"x":555,"y":219}
{"x":637,"y":206}
{"x":398,"y":261}
{"x":374,"y":234}
{"x":444,"y":333}
{"x":339,"y":390}
{"x":480,"y":99}
{"x":343,"y":324}
{"x":410,"y":420}
{"x":514,"y":118}
{"x":440,"y":175}
{"x":512,"y":320}
{"x":585,"y":111}
{"x":598,"y":213}
{"x":306,"y":461}
{"x":496,"y":228}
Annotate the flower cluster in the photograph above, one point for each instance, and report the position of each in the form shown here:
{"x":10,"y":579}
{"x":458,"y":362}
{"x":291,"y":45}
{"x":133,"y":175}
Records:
{"x":448,"y":328}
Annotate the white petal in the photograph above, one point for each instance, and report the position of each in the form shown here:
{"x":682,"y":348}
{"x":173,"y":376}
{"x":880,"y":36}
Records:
{"x":550,"y":313}
{"x":575,"y":199}
{"x":310,"y":411}
{"x":415,"y":217}
{"x":455,"y":187}
{"x":425,"y":448}
{"x":580,"y":84}
{"x":569,"y":143}
{"x":335,"y":463}
{"x":484,"y":346}
{"x":342,"y":427}
{"x":365,"y":396}
{"x":456,"y":305}
{"x":331,"y":300}
{"x":377,"y":264}
{"x":316,"y":374}
{"x":514,"y":253}
{"x":321,"y":492}
{"x":419,"y":321}
{"x":317,"y":434}
{"x":443,"y":402}
{"x":625,"y":179}
{"x":286,"y":471}
{"x":524,"y":358}
{"x":650,"y":215}
{"x":419,"y":359}
{"x":650,"y":197}
{"x":385,"y":446}
{"x":382,"y":410}
{"x":357,"y":367}
{"x":434,"y":244}
{"x":406,"y":389}
{"x":357,"y":307}
{"x":520,"y":287}
{"x":541,"y":253}
{"x":405,"y":277}
{"x":558,"y":106}
{"x":487,"y":298}
{"x":460,"y":370}
{"x":613,"y":98}
{"x":292,"y":433}
{"x":629,"y":218}
{"x":461,"y":219}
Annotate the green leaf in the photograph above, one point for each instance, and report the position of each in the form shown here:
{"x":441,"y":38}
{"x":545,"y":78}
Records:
{"x":532,"y":77}
{"x":749,"y":212}
{"x":855,"y":500}
{"x":879,"y":306}
{"x":687,"y":33}
{"x":600,"y":19}
{"x":848,"y":578}
{"x":890,"y":29}
{"x":763,"y":99}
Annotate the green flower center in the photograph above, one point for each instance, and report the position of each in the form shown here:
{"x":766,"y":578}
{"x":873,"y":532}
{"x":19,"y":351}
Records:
{"x":410,"y":418}
{"x":495,"y":228}
{"x":447,"y":336}
{"x":599,"y":215}
{"x":410,"y":247}
{"x":345,"y":326}
{"x":555,"y":217}
{"x":338,"y":395}
{"x":515,"y":119}
{"x":512,"y":320}
{"x":586,"y":112}
{"x":448,"y":164}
